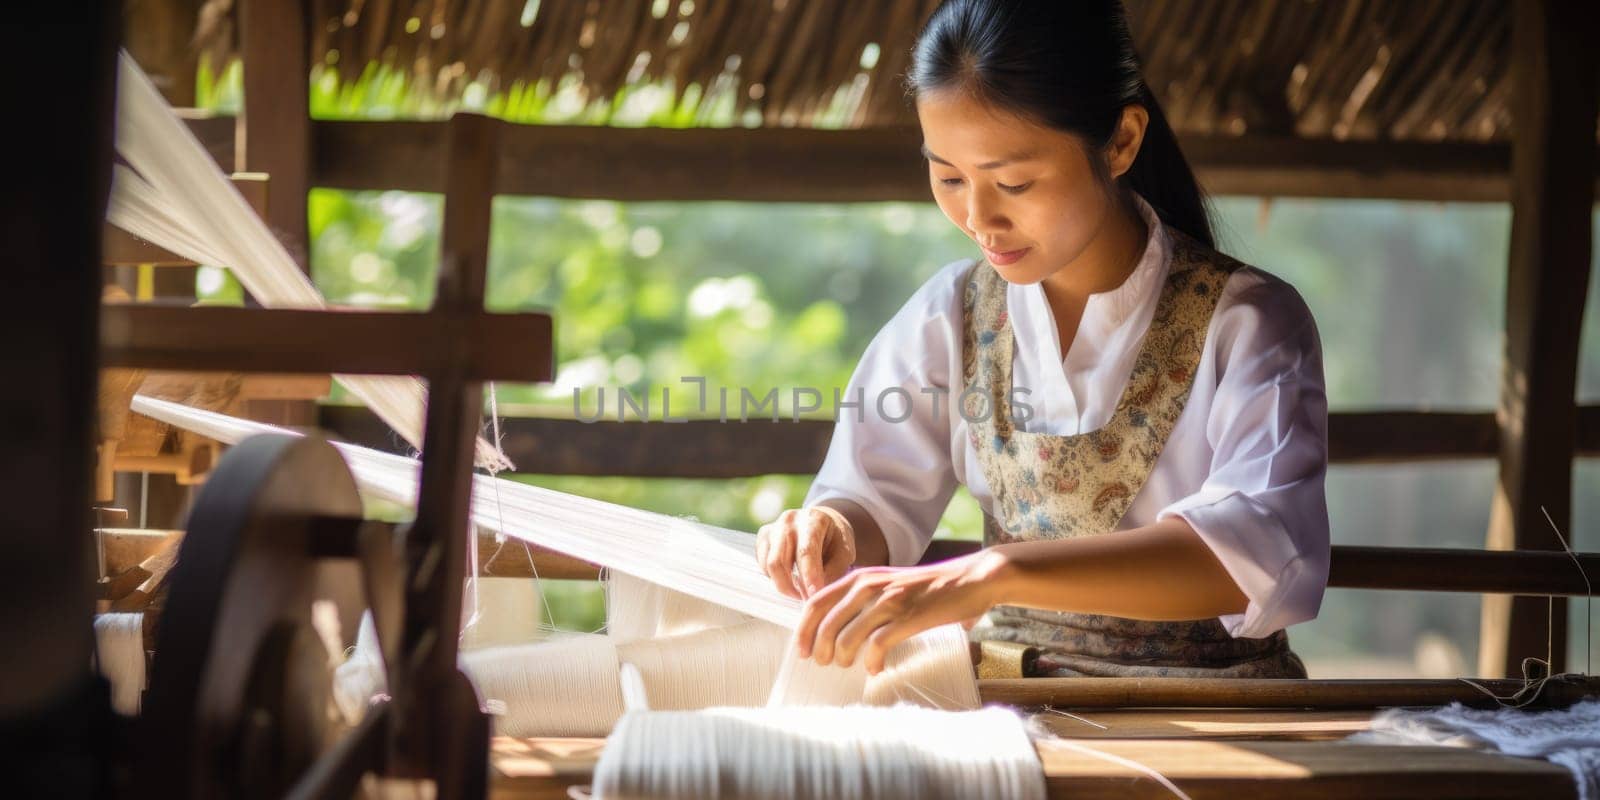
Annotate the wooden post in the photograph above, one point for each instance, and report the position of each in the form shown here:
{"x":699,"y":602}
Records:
{"x":52,"y":203}
{"x":273,"y":135}
{"x":1552,"y":174}
{"x":160,"y":35}
{"x":439,"y":726}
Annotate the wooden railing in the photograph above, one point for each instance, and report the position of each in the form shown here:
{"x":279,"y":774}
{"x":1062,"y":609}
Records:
{"x":715,"y":449}
{"x":1428,"y":569}
{"x":807,"y":165}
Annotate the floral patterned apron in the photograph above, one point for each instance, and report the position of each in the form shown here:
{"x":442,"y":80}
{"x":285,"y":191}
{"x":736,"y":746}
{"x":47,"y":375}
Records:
{"x":1054,"y":487}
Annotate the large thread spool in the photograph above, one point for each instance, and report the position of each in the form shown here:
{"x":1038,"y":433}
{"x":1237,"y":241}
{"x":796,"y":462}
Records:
{"x":798,"y":753}
{"x":119,"y":653}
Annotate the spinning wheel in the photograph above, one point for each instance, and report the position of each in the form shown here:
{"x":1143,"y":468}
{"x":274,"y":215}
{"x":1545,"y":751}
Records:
{"x":239,"y":697}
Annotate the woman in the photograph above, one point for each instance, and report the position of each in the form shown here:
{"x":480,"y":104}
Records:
{"x":1102,"y":370}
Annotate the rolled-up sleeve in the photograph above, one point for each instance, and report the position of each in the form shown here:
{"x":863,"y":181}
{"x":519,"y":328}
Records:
{"x":893,"y":458}
{"x":1263,"y":507}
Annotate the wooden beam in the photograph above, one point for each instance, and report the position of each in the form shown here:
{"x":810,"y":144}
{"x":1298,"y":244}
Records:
{"x":1289,"y":166}
{"x":216,"y":133}
{"x":1425,"y":569}
{"x":297,"y":341}
{"x":863,"y":165}
{"x":124,"y":548}
{"x":1554,"y":103}
{"x":151,"y":574}
{"x":697,"y":449}
{"x":1530,"y":573}
{"x":713,"y":449}
{"x":1588,"y":441}
{"x":763,"y":164}
{"x":1404,"y":436}
{"x":273,"y":134}
{"x":805,"y":165}
{"x":1121,"y":769}
{"x":274,"y":137}
{"x":1102,"y":692}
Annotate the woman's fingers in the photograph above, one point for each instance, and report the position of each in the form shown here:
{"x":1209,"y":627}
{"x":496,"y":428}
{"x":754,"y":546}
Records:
{"x":862,"y":596}
{"x":778,"y":556}
{"x":806,"y":633}
{"x":876,"y":652}
{"x":887,"y":606}
{"x":837,"y":564}
{"x":804,"y":550}
{"x":812,"y":544}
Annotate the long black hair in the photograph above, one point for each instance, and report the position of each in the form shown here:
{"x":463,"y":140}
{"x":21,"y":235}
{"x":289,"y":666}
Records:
{"x":1071,"y":66}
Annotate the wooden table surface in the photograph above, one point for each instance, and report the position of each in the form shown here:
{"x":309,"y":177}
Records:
{"x":1228,"y":754}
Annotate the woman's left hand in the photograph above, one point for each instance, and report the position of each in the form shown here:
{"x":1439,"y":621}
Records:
{"x":864,"y":614}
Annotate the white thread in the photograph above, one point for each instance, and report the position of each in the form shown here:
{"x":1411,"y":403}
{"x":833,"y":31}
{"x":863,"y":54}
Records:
{"x":561,"y":687}
{"x":706,"y":562}
{"x":700,"y":560}
{"x":638,"y":609}
{"x":820,"y":752}
{"x":933,"y":668}
{"x":635,"y":697}
{"x":1533,"y":687}
{"x":176,"y":197}
{"x":508,"y":614}
{"x":731,"y":666}
{"x":119,"y":652}
{"x":360,"y":679}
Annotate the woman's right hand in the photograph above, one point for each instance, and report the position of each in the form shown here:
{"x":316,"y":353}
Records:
{"x":805,"y":549}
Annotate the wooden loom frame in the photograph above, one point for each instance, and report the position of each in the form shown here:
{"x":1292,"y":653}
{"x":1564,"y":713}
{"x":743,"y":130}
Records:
{"x":456,"y":346}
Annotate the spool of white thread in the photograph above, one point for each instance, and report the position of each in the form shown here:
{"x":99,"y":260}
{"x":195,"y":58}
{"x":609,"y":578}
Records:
{"x":508,"y":613}
{"x":728,"y":666}
{"x":933,"y":669}
{"x":119,"y":652}
{"x":560,"y":687}
{"x":851,"y":753}
{"x":633,"y":607}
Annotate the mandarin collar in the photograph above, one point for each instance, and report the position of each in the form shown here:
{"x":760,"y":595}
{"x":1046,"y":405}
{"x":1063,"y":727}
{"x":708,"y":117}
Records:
{"x":1113,"y":307}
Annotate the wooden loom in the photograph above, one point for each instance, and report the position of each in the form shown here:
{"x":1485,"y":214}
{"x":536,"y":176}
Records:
{"x":132,"y":443}
{"x":233,"y":705}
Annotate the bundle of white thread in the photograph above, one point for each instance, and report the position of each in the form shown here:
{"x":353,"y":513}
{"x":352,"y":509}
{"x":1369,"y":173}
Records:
{"x":119,"y":652}
{"x":851,"y":753}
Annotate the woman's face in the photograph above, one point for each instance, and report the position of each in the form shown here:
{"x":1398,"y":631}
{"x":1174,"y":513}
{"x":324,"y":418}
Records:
{"x":1024,"y":192}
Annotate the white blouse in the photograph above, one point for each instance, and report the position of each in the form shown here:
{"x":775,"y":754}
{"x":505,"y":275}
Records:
{"x":1244,"y":465}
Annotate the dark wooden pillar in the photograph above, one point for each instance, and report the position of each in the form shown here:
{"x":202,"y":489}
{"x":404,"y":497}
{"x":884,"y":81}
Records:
{"x":274,"y":127}
{"x":52,"y":207}
{"x":1553,"y":167}
{"x":160,"y":35}
{"x":273,"y":135}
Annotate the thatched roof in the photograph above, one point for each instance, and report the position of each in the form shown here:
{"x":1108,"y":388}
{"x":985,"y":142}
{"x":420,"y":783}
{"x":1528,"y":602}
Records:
{"x":1363,"y":69}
